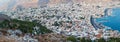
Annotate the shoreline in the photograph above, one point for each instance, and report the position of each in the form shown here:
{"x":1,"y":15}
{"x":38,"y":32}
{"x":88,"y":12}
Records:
{"x":108,"y":12}
{"x":94,"y":24}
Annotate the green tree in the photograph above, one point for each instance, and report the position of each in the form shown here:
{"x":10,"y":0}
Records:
{"x":101,"y":40}
{"x":114,"y":39}
{"x":24,"y":26}
{"x":72,"y":38}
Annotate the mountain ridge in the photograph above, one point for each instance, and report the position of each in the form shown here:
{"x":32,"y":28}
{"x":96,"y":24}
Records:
{"x":12,"y":4}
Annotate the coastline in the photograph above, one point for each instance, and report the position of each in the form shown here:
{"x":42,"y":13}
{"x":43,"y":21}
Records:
{"x":108,"y":12}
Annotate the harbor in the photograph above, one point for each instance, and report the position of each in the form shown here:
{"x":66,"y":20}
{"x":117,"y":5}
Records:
{"x":111,"y":20}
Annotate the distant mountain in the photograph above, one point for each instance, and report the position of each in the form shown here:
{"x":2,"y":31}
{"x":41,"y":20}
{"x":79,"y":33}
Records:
{"x":12,"y":4}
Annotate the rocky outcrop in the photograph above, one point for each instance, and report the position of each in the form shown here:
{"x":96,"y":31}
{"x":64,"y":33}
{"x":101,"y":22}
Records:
{"x":12,"y":4}
{"x":51,"y":37}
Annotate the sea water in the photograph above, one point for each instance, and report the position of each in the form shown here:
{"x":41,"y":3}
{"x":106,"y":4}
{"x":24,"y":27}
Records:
{"x":112,"y":21}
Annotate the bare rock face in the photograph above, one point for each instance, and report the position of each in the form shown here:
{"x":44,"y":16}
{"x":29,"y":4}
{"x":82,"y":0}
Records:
{"x":26,"y":3}
{"x":5,"y":39}
{"x":56,"y":2}
{"x":51,"y":38}
{"x":12,"y":4}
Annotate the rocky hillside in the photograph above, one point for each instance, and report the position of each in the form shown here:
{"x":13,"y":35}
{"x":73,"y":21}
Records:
{"x":13,"y":4}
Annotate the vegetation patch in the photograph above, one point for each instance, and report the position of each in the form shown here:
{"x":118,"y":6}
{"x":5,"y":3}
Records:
{"x":24,"y":26}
